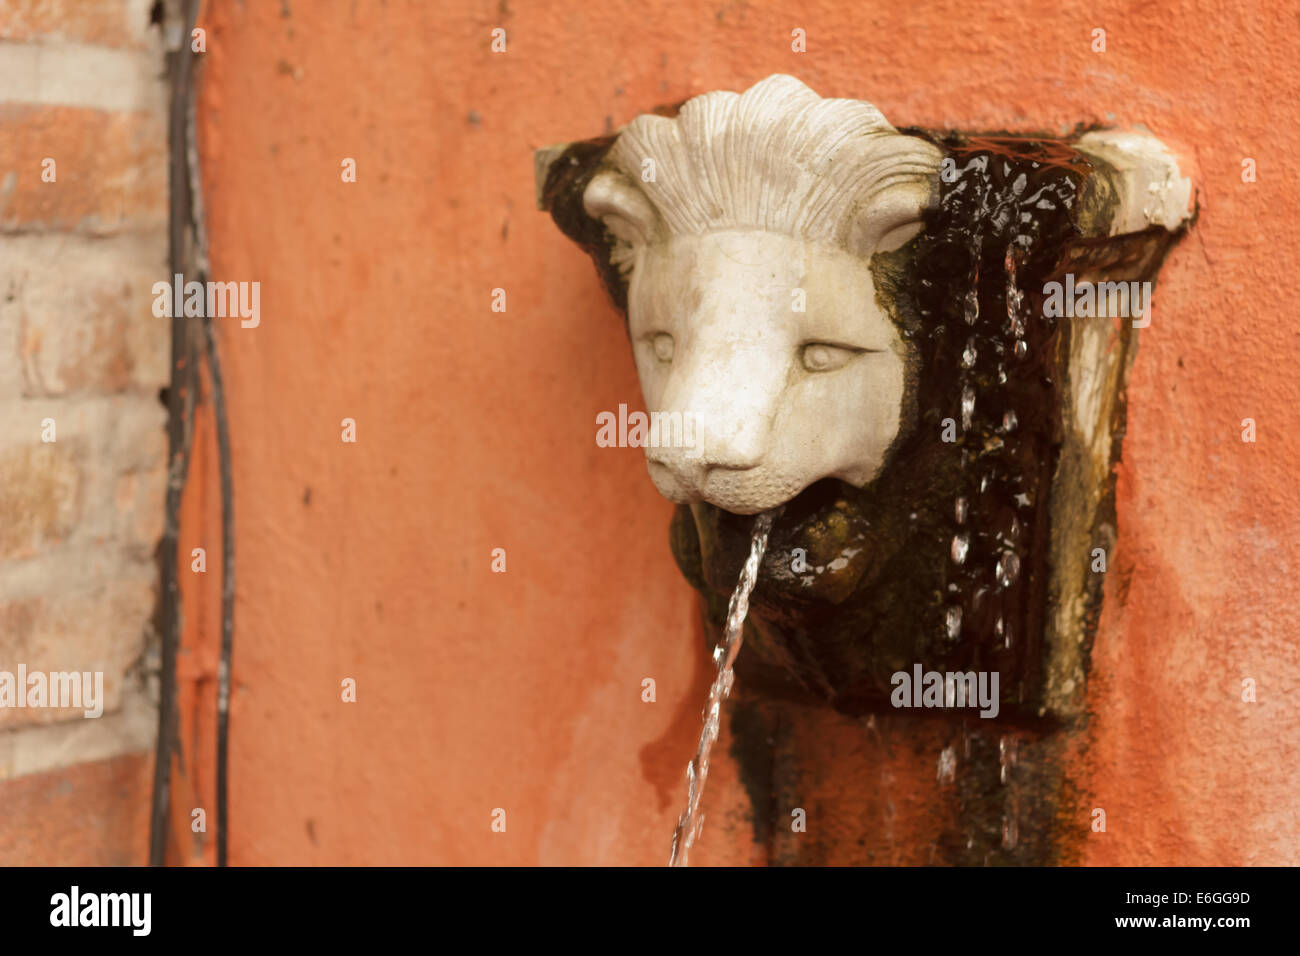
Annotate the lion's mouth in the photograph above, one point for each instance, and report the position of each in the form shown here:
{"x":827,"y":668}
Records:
{"x":735,"y":491}
{"x":751,"y":491}
{"x":818,"y":548}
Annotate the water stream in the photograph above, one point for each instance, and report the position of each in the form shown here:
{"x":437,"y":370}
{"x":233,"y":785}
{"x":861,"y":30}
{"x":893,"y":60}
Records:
{"x":724,"y":656}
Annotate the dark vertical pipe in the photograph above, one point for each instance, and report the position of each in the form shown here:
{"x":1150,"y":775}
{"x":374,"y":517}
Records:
{"x":227,"y":587}
{"x":178,"y":395}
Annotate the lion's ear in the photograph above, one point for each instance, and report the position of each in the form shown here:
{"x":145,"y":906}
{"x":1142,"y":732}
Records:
{"x":890,"y":221}
{"x":624,"y":209}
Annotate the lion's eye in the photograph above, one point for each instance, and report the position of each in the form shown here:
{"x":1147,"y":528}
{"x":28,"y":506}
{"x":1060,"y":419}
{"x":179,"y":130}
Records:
{"x":820,"y":357}
{"x":663,"y":346}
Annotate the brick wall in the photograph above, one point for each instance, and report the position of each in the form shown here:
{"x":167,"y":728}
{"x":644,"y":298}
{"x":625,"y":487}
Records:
{"x":82,"y":84}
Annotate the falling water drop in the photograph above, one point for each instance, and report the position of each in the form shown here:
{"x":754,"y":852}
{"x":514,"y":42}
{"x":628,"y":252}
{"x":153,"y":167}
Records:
{"x":1014,"y":296}
{"x":967,"y":406}
{"x":960,"y":545}
{"x":1008,"y":754}
{"x":1008,"y":569}
{"x":952,"y":622}
{"x":1010,"y":833}
{"x":947,"y":765}
{"x":959,"y":510}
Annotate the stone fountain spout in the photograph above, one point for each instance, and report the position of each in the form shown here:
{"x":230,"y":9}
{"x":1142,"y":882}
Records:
{"x":865,"y":325}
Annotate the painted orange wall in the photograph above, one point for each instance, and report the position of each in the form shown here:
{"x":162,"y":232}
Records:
{"x":476,"y":430}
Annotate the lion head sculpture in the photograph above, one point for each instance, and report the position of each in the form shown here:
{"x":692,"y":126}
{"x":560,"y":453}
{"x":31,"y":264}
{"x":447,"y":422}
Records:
{"x":850,"y":316}
{"x":745,"y":228}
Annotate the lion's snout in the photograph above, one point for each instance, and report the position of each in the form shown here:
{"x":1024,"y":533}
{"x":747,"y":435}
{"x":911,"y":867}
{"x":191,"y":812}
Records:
{"x":728,"y":411}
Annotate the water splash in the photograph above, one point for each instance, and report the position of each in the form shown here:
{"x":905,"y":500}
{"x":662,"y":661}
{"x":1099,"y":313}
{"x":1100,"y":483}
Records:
{"x":724,"y":656}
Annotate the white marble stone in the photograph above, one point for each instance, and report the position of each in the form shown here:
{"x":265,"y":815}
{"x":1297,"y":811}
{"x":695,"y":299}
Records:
{"x":745,"y":228}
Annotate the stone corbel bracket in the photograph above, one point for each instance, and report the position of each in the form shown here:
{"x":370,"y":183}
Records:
{"x":902,"y":337}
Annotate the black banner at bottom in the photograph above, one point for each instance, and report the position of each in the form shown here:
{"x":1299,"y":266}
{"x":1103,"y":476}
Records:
{"x":334,"y":905}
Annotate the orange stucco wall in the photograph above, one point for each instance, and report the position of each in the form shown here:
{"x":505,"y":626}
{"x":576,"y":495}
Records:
{"x":522,"y":690}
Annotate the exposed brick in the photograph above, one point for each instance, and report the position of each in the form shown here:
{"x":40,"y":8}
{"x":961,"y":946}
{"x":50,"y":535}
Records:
{"x":44,"y":747}
{"x":134,"y":432}
{"x":110,"y":169}
{"x":79,"y":312}
{"x":98,"y":489}
{"x":93,"y":814}
{"x":82,"y":82}
{"x":40,"y":492}
{"x":138,"y":497}
{"x":76,"y":74}
{"x":117,"y":23}
{"x":100,"y":629}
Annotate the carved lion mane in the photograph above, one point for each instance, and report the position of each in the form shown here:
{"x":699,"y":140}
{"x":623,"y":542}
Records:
{"x":777,"y":158}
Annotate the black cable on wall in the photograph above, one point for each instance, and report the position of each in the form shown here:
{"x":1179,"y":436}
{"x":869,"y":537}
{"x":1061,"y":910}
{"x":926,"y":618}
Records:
{"x":179,"y":395}
{"x":186,"y":216}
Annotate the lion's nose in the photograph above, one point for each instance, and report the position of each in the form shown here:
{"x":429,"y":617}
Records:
{"x":730,"y":435}
{"x":730,"y":396}
{"x":691,"y":465}
{"x":727,"y":441}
